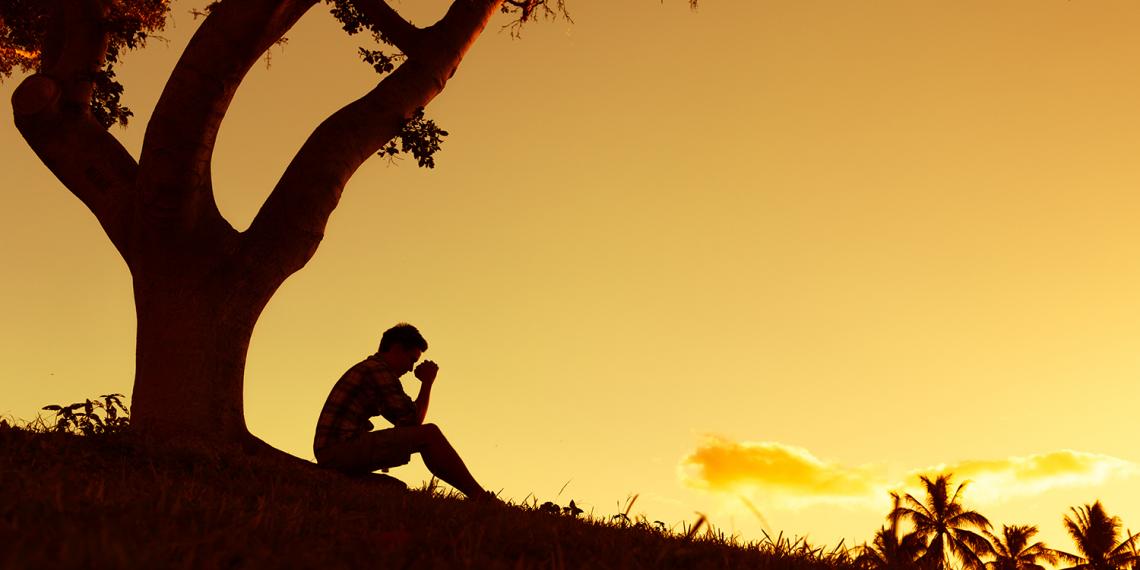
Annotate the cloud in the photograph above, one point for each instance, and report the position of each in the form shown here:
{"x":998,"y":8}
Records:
{"x":792,"y":476}
{"x":998,"y":479}
{"x":776,"y":470}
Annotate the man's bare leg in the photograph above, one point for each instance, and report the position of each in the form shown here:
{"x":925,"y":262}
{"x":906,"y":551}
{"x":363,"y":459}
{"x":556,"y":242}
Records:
{"x":438,"y":454}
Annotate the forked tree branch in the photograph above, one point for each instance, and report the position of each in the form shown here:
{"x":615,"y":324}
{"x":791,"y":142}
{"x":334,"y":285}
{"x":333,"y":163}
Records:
{"x":52,"y":110}
{"x":291,"y":223}
{"x":386,"y":21}
{"x":174,"y":175}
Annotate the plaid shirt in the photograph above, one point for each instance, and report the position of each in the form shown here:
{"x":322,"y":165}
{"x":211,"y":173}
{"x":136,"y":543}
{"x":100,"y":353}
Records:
{"x":368,"y":389}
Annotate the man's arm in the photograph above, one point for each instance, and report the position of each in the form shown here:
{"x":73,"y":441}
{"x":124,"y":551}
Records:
{"x":425,"y":372}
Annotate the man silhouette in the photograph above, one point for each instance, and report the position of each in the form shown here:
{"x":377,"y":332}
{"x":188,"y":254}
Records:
{"x":345,"y":440}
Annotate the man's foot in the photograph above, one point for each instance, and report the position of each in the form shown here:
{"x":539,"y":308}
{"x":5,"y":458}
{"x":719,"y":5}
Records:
{"x":486,"y":497}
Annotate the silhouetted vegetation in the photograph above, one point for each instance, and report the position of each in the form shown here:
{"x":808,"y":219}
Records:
{"x":1097,"y":537}
{"x":79,"y":489}
{"x":72,"y":498}
{"x":943,"y":534}
{"x":889,"y":550}
{"x":1013,"y":551}
{"x":947,"y":530}
{"x":90,"y":417}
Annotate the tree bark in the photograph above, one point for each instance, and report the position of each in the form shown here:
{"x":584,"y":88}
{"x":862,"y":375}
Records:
{"x":197,"y":301}
{"x":190,"y":362}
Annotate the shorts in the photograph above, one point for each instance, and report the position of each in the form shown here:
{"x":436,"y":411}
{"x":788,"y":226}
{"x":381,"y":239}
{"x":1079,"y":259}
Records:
{"x":365,"y":453}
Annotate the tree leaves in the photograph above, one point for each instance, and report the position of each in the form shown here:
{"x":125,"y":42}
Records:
{"x":380,"y":61}
{"x":350,"y":18}
{"x":29,"y":31}
{"x":68,"y":419}
{"x":22,"y":27}
{"x":419,"y":137}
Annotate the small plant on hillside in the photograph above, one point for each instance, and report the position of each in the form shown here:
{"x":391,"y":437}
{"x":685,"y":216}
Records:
{"x":553,"y":508}
{"x":639,"y":521}
{"x":91,"y":417}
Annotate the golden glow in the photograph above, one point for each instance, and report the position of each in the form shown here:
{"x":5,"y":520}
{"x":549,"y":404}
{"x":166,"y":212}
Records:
{"x":893,"y":234}
{"x":776,"y":470}
{"x":1001,"y":479}
{"x":786,"y":475}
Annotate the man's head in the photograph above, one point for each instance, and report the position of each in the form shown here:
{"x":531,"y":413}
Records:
{"x":401,"y":347}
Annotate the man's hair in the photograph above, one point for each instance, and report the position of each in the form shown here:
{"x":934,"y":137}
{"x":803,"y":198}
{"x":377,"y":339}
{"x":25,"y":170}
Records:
{"x":404,"y":335}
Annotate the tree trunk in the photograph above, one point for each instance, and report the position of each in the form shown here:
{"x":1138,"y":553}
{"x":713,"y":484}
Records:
{"x":193,"y":336}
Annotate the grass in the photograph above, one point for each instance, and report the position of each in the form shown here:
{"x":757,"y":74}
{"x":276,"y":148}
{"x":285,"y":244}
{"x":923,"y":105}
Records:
{"x":116,"y":501}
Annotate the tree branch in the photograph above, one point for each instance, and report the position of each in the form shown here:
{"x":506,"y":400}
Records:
{"x":52,"y":110}
{"x":174,"y":169}
{"x":291,"y":223}
{"x":391,"y":26}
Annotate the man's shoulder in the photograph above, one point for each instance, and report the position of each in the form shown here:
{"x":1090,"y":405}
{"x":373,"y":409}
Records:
{"x":374,"y":367}
{"x":368,"y":363}
{"x":356,"y":374}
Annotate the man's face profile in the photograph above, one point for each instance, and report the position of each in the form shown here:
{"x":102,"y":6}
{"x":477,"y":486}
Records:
{"x":403,"y":359}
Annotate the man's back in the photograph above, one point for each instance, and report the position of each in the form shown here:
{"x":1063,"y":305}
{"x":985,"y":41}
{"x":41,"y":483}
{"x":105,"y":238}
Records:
{"x":366,"y":390}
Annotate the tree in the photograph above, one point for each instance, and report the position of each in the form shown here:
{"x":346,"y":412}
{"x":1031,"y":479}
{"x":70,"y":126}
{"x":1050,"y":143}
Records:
{"x":1097,"y":536}
{"x":1012,"y":550}
{"x":889,"y":550}
{"x":199,"y":284}
{"x":944,"y":526}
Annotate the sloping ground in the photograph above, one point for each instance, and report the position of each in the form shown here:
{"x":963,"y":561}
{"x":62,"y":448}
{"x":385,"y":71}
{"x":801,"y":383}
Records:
{"x":112,"y":502}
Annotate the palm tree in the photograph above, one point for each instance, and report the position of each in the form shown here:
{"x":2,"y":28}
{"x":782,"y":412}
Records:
{"x":1096,"y":535}
{"x":1012,"y":550}
{"x":944,"y":526}
{"x":888,"y":550}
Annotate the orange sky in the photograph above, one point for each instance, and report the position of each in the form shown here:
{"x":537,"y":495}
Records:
{"x":798,"y":251}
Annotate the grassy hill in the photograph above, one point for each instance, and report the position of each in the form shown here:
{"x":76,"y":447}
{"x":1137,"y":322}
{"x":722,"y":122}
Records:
{"x":114,"y":501}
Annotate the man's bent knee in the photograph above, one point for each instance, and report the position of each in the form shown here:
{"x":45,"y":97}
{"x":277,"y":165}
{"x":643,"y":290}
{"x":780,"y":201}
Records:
{"x":432,"y":435}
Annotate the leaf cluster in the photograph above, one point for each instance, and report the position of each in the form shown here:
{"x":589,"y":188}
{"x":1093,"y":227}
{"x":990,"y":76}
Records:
{"x":380,"y":61}
{"x":22,"y":27}
{"x":353,"y":22}
{"x":350,"y":17}
{"x":90,"y":417}
{"x":419,"y":137}
{"x":30,"y":40}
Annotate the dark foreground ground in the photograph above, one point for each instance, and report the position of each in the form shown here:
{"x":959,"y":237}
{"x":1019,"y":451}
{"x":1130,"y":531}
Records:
{"x":110,"y":501}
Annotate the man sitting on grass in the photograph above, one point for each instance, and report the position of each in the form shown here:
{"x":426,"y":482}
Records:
{"x":345,"y":440}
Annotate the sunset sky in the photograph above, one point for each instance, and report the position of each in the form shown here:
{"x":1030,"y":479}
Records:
{"x":784,"y":253}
